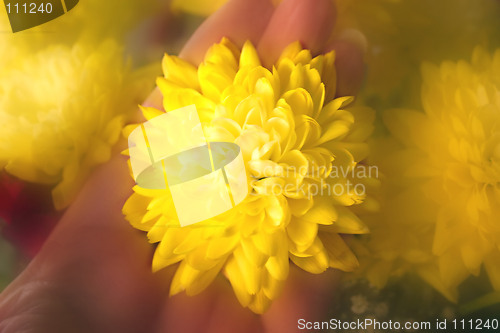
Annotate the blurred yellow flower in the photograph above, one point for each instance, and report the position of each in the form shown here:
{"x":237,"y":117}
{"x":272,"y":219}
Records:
{"x":441,"y":216}
{"x":66,"y":91}
{"x":197,"y":7}
{"x":201,"y":7}
{"x":294,"y":134}
{"x":62,"y":109}
{"x":403,"y":34}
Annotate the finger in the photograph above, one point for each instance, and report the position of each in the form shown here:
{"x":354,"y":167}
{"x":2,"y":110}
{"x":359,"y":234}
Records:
{"x":350,"y":49}
{"x":216,"y":309}
{"x":306,"y":296}
{"x":239,"y":20}
{"x":229,"y":316}
{"x":187,"y":314}
{"x":154,"y":100}
{"x":308,"y":21}
{"x":98,"y":264}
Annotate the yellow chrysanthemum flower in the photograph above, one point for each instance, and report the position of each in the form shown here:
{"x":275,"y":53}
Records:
{"x":65,"y":92}
{"x":442,"y":218}
{"x":62,"y":109}
{"x":293,"y":135}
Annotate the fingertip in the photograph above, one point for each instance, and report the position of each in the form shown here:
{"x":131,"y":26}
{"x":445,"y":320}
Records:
{"x":350,"y":50}
{"x":310,"y":22}
{"x":238,"y":20}
{"x":355,"y":37}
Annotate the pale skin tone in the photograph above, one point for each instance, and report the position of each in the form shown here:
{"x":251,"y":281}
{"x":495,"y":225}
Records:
{"x":94,"y":275}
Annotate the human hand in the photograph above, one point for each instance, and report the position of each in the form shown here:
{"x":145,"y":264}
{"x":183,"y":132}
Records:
{"x":94,"y":272}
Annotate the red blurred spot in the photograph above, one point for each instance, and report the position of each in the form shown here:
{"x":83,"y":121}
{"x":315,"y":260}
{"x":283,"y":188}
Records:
{"x":28,"y":212}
